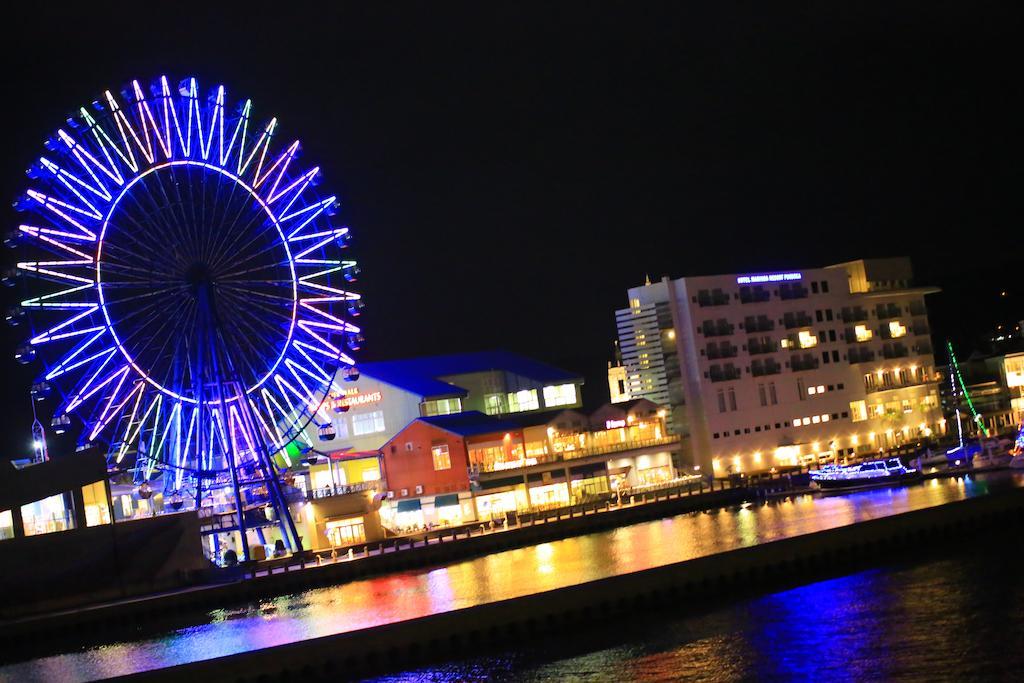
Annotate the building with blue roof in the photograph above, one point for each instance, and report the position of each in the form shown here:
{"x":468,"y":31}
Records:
{"x":389,"y":395}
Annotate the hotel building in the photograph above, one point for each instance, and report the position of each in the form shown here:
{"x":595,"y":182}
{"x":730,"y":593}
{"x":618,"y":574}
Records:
{"x":784,"y":369}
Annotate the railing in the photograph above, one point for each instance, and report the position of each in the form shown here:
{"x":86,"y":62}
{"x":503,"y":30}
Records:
{"x":574,"y":454}
{"x":335,"y":490}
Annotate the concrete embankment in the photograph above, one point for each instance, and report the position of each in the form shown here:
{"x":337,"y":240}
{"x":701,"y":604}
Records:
{"x":158,"y":610}
{"x":676,"y":587}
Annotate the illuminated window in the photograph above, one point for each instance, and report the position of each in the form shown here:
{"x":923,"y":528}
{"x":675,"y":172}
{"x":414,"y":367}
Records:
{"x":807,"y":339}
{"x":812,"y":390}
{"x":907,"y":406}
{"x":896,"y":330}
{"x":785,"y":343}
{"x":493,"y":405}
{"x":858,"y":411}
{"x":48,"y":515}
{"x":876,"y":410}
{"x":94,"y":496}
{"x":368,"y":423}
{"x":863,"y":333}
{"x":526,"y":399}
{"x":346,"y":531}
{"x":559,"y":395}
{"x":442,"y":458}
{"x":442,"y":406}
{"x":6,"y":525}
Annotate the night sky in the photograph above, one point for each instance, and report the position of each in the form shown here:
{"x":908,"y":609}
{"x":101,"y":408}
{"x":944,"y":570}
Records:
{"x":509,"y":171}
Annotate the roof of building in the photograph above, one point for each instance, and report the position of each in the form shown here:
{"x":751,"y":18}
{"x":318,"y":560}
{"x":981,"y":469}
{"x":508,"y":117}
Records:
{"x":421,"y":376}
{"x":471,"y":423}
{"x":629,"y":404}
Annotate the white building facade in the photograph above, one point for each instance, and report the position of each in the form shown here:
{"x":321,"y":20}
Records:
{"x":792,"y":368}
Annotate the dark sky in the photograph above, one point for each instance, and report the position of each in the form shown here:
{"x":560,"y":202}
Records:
{"x":509,"y":169}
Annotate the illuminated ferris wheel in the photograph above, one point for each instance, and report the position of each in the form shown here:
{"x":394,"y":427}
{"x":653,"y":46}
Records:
{"x":187,"y":295}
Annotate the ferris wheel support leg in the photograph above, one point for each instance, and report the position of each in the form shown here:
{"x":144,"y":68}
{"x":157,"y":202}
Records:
{"x":232,"y":454}
{"x":266,"y":463}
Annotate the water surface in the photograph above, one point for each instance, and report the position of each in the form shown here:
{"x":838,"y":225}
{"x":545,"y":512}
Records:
{"x":545,"y":566}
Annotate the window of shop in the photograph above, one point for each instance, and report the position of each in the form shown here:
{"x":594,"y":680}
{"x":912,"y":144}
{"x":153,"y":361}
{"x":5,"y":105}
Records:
{"x":447,"y":509}
{"x":493,"y":405}
{"x":408,"y":516}
{"x":442,"y":458}
{"x":526,"y":399}
{"x":559,"y":395}
{"x":654,"y":475}
{"x":583,"y":489}
{"x":6,"y":525}
{"x":95,"y":498}
{"x":48,"y":515}
{"x":346,"y":531}
{"x":495,"y":505}
{"x":368,"y":423}
{"x":858,"y":411}
{"x":442,"y":406}
{"x":549,"y":496}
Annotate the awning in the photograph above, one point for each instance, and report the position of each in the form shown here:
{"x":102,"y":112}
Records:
{"x":408,"y":505}
{"x":446,"y":500}
{"x":620,"y":470}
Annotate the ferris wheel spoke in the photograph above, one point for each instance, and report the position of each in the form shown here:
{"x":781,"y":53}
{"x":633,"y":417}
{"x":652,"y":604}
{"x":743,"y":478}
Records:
{"x":173,"y":229}
{"x":229,"y":228}
{"x":142,"y":225}
{"x":152,"y":252}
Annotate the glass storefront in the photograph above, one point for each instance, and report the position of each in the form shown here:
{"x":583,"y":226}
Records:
{"x":48,"y":515}
{"x":549,"y":496}
{"x":591,"y":487}
{"x":654,"y":475}
{"x":6,"y":525}
{"x":343,"y":532}
{"x":95,"y":498}
{"x":496,"y":505}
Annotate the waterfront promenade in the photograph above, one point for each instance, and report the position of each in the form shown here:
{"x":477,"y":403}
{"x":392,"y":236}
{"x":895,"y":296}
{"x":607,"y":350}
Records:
{"x":500,"y":577}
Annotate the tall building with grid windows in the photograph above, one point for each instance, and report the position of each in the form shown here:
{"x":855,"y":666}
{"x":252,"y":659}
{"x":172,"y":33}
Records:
{"x":792,"y":368}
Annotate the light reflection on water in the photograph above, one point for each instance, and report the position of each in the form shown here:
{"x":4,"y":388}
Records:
{"x":955,"y":618}
{"x":395,"y":597}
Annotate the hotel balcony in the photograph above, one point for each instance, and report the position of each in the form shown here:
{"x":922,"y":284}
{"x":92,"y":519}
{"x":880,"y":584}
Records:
{"x":758,"y":346}
{"x":884,"y":311}
{"x":854,"y":315}
{"x":792,"y":291}
{"x":753,"y":295}
{"x":718,"y":373}
{"x":713,"y":298}
{"x":723,"y":350}
{"x":719,"y":328}
{"x":891,"y":351}
{"x":792,"y":320}
{"x":800,"y":363}
{"x":761,"y":323}
{"x":768,"y":366}
{"x":860,"y":355}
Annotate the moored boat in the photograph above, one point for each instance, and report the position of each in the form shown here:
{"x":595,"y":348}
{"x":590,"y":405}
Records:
{"x":873,"y":473}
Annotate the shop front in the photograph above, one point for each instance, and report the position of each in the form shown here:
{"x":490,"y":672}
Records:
{"x":495,"y":506}
{"x":416,"y":514}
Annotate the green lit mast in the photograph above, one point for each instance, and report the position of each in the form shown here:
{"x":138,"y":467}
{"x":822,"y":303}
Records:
{"x":955,"y":378}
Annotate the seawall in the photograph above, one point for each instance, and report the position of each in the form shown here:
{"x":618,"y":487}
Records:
{"x":675,"y":587}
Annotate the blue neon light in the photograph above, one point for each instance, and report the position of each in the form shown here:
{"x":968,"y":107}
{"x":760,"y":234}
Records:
{"x":770,"y":277}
